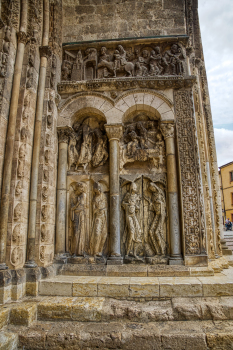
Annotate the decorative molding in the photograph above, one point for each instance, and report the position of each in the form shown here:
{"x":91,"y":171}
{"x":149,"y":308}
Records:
{"x":45,"y":51}
{"x":22,"y":37}
{"x":123,"y":84}
{"x":193,"y":219}
{"x":114,"y":131}
{"x":167,"y":130}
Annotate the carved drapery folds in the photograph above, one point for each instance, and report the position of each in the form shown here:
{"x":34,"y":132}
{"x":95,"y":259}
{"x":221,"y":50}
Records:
{"x":88,"y":145}
{"x":88,"y":217}
{"x":139,"y":60}
{"x":143,"y":218}
{"x":193,"y":209}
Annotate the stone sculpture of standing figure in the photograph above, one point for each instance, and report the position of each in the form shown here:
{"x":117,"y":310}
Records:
{"x":158,"y":206}
{"x":99,"y":230}
{"x":133,"y":232}
{"x":78,"y":218}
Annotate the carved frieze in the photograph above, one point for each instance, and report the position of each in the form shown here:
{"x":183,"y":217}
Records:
{"x":118,"y":61}
{"x":194,"y":228}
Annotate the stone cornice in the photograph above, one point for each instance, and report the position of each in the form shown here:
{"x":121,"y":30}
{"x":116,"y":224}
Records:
{"x":160,"y":83}
{"x":124,"y":41}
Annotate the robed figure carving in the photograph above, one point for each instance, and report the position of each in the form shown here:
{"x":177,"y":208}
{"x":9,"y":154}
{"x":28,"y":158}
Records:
{"x":99,"y":229}
{"x":157,"y":205}
{"x":132,"y":234}
{"x":78,"y":217}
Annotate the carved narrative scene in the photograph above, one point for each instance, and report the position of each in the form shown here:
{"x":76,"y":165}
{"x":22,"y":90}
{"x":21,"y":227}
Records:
{"x":142,"y":148}
{"x":139,"y":61}
{"x":143,"y":225}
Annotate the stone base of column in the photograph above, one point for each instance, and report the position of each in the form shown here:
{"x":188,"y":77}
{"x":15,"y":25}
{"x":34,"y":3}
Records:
{"x":61,"y":258}
{"x":176,"y":260}
{"x":3,"y":266}
{"x":115,"y":260}
{"x":196,"y":260}
{"x":30,"y":264}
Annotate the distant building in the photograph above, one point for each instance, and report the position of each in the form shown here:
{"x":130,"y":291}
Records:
{"x":226,"y":182}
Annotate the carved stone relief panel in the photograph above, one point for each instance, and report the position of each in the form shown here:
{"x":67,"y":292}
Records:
{"x":115,"y":61}
{"x":193,"y":208}
{"x":88,"y":146}
{"x":88,"y":208}
{"x":143,"y":218}
{"x":142,"y":148}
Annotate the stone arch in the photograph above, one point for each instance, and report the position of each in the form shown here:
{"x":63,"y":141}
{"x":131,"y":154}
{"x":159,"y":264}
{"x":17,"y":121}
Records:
{"x":83,"y":103}
{"x":141,"y":100}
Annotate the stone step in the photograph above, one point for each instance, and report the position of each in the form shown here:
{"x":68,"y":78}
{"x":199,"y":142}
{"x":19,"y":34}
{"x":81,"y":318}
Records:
{"x":138,"y":287}
{"x":97,"y":309}
{"x":8,"y":340}
{"x":131,"y":270}
{"x":188,"y":335}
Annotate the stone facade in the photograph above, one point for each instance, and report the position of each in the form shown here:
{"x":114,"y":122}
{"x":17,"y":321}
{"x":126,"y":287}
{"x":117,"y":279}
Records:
{"x":107,"y":152}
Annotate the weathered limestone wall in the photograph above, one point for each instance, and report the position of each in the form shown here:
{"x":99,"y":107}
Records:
{"x":104,"y":19}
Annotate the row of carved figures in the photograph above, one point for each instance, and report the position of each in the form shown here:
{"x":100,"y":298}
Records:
{"x":149,"y":61}
{"x":88,"y":145}
{"x":140,"y":211}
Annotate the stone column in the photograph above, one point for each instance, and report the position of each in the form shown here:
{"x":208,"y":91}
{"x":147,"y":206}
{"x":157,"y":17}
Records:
{"x":9,"y":150}
{"x":63,"y":138}
{"x":173,"y":205}
{"x":114,"y":132}
{"x":45,"y":52}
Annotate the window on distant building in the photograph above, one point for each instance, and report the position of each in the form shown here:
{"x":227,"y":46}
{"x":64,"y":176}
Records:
{"x":231,"y":217}
{"x":231,"y":176}
{"x":231,"y":198}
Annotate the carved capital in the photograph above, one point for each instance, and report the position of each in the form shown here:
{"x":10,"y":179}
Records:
{"x":45,"y":51}
{"x":63,"y":134}
{"x":167,"y":130}
{"x":22,"y":37}
{"x":114,"y":131}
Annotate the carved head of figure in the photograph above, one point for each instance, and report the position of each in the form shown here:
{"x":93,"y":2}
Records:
{"x":120,"y":48}
{"x":97,"y":188}
{"x":157,"y":50}
{"x":159,"y":137}
{"x":174,"y":48}
{"x":145,"y":53}
{"x":103,"y":50}
{"x":133,"y":188}
{"x":80,"y":187}
{"x":152,"y":187}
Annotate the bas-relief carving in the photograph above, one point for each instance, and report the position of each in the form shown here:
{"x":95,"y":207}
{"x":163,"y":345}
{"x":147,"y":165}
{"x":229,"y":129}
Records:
{"x":88,"y":216}
{"x":142,"y":147}
{"x":139,"y":61}
{"x":194,"y":227}
{"x":88,"y":145}
{"x":143,"y":218}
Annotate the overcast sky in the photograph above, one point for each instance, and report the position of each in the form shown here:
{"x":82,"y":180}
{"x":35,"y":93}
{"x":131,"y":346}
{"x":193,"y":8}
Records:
{"x":216,"y":20}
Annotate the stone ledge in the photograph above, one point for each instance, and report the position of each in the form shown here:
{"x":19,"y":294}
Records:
{"x":161,"y":83}
{"x":126,"y":287}
{"x":133,"y":270}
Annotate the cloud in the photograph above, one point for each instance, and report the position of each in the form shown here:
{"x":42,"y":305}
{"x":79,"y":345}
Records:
{"x":216,"y":18}
{"x":223,"y":140}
